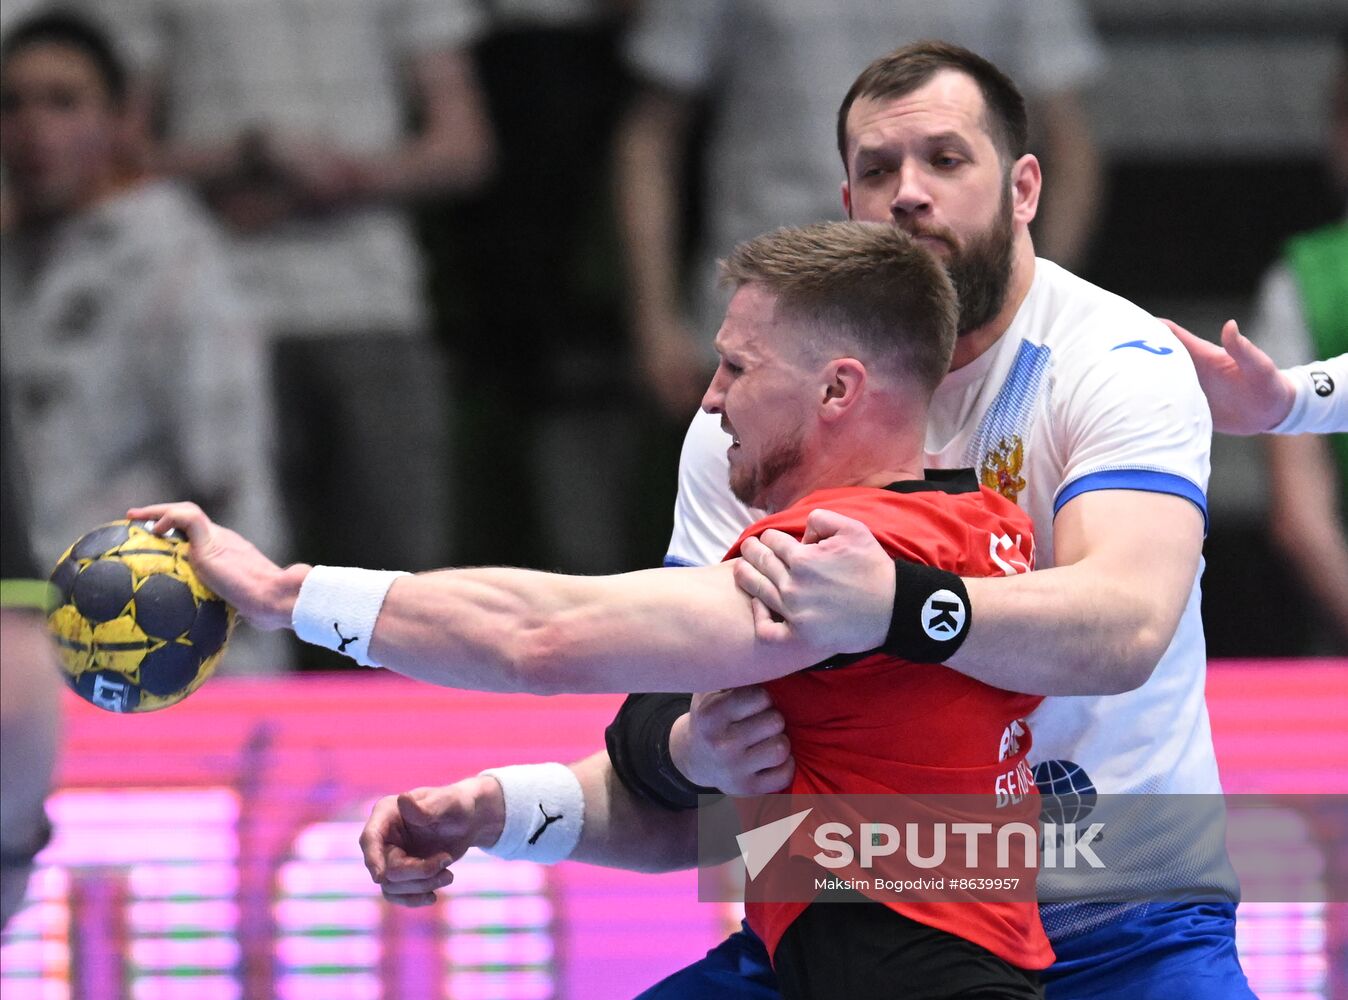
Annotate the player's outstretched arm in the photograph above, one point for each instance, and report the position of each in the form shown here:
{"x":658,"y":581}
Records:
{"x":1097,"y":623}
{"x":411,"y":841}
{"x":1246,"y":392}
{"x":516,"y":630}
{"x":1249,"y":394}
{"x":498,"y":629}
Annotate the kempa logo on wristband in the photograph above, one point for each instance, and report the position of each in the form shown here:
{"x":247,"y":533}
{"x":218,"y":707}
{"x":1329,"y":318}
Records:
{"x":943,"y":616}
{"x":931,"y":616}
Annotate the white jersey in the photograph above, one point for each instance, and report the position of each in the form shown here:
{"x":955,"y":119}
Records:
{"x":1085,"y":391}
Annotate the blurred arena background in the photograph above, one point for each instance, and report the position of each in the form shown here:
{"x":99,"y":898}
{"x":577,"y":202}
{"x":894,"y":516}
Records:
{"x":210,"y":851}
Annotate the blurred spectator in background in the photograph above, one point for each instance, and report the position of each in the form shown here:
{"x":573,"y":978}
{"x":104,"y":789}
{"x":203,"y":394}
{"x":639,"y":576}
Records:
{"x":546,"y":417}
{"x":769,"y":74}
{"x":11,"y":12}
{"x":30,"y":688}
{"x":310,"y":125}
{"x":135,"y":371}
{"x":1301,"y":314}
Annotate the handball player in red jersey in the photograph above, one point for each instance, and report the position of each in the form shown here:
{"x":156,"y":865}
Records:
{"x":835,"y":338}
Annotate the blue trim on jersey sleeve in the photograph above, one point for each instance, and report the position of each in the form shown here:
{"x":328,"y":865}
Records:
{"x":1147,"y":480}
{"x":672,"y":561}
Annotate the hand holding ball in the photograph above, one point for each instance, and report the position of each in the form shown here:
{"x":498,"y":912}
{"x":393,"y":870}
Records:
{"x":136,"y":630}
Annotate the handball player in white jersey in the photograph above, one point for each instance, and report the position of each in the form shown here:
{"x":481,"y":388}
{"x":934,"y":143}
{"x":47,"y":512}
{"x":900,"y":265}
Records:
{"x":1086,"y":411}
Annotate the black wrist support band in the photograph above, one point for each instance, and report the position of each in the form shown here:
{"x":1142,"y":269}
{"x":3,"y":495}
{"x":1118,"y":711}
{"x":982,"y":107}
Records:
{"x":931,"y":615}
{"x":638,"y":746}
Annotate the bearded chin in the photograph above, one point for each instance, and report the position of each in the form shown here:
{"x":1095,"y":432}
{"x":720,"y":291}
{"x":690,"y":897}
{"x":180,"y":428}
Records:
{"x":981,"y":271}
{"x":750,"y":486}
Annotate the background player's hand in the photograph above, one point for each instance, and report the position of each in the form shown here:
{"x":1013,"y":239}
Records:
{"x":1246,"y":392}
{"x":734,"y":740}
{"x":261,"y":591}
{"x":410,"y":840}
{"x":834,"y":590}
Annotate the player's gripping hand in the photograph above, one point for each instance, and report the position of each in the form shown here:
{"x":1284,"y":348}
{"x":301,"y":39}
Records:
{"x":735,"y":741}
{"x":261,"y":592}
{"x":834,"y":589}
{"x":1246,"y":392}
{"x":410,"y":840}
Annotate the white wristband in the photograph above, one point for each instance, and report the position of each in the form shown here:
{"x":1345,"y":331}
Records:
{"x":544,"y":812}
{"x":1321,"y":403}
{"x":337,"y":608}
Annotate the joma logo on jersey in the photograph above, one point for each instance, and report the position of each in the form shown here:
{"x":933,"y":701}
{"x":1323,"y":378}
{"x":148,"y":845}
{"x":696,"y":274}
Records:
{"x":1001,"y":466}
{"x":1142,"y":345}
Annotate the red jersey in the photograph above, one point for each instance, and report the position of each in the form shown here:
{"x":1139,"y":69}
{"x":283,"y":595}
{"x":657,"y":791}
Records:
{"x":879,"y":724}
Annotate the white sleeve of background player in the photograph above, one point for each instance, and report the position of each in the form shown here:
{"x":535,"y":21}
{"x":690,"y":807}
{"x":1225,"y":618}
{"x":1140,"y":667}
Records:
{"x":707,"y":517}
{"x":1129,"y":413}
{"x":1321,"y":405}
{"x":1278,"y":324}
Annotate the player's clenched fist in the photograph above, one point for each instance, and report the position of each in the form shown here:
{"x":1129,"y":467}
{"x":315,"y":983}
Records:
{"x":410,"y":840}
{"x":733,"y":740}
{"x":834,"y":588}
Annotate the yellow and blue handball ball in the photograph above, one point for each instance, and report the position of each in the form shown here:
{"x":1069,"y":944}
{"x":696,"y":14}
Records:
{"x":136,"y":630}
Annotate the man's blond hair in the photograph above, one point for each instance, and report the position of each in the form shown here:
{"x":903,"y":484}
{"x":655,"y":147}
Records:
{"x":865,"y":287}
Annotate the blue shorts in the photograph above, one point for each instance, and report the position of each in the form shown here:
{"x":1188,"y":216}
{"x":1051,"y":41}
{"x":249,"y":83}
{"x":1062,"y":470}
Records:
{"x":1170,"y":950}
{"x":736,"y":969}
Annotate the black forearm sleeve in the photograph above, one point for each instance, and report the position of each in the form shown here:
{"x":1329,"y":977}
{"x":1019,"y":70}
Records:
{"x":638,"y":746}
